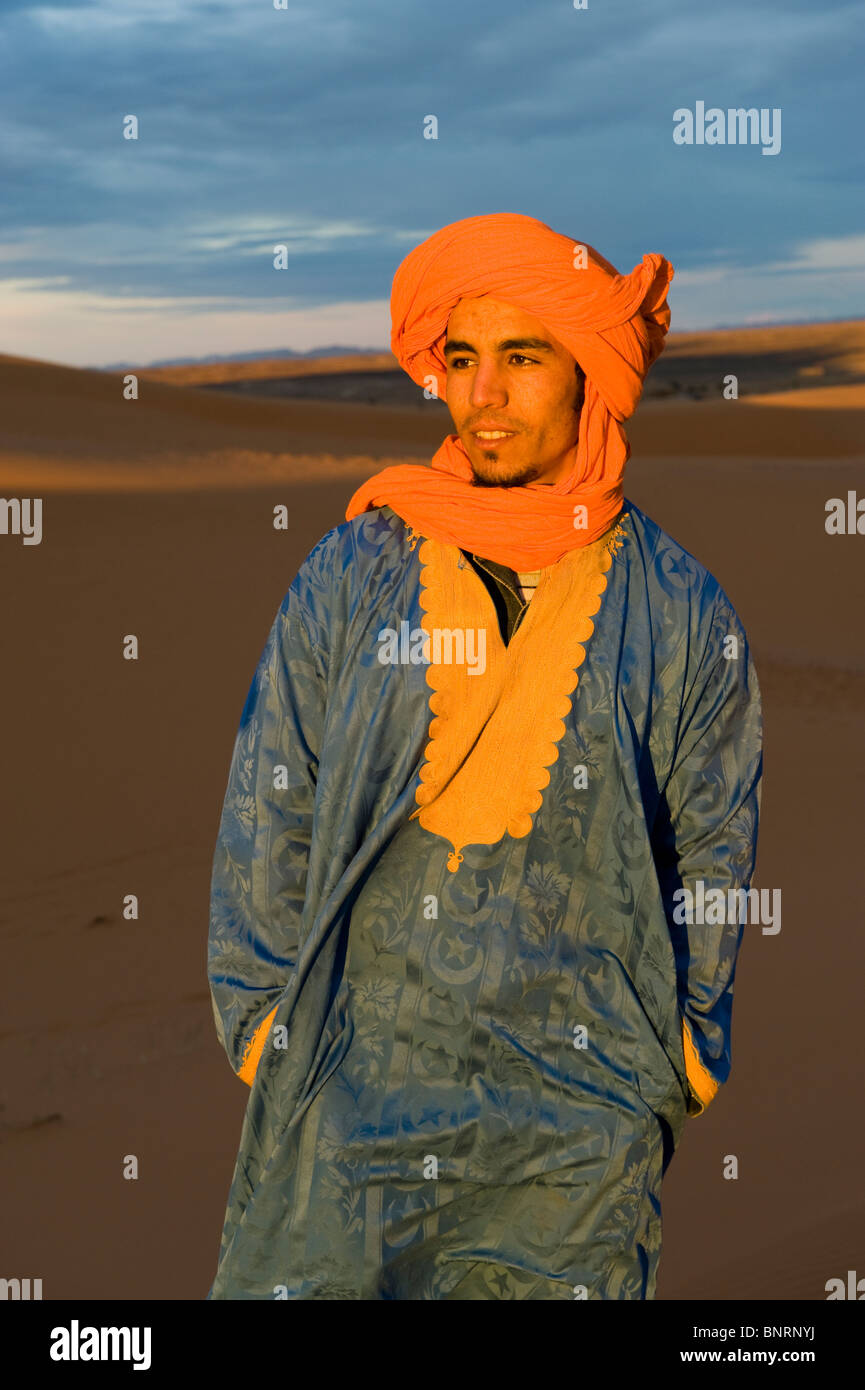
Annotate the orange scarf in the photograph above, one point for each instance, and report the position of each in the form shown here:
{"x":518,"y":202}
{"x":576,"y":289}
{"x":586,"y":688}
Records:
{"x":613,"y":325}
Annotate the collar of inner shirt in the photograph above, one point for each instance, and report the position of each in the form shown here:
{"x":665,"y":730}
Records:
{"x":504,"y":587}
{"x":506,"y":576}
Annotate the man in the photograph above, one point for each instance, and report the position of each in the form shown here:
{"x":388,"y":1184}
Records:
{"x":501,"y":726}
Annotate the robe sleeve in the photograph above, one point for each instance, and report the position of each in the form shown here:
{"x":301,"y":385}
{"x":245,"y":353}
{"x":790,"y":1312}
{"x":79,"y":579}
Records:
{"x":260,"y":864}
{"x":709,"y":834}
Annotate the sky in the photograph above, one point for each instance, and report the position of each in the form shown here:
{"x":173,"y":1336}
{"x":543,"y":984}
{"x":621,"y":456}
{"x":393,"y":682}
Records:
{"x":304,"y":125}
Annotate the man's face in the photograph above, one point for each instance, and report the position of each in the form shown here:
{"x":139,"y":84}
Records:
{"x":505,"y":371}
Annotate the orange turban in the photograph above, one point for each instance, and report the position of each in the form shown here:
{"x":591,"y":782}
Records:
{"x":613,"y":325}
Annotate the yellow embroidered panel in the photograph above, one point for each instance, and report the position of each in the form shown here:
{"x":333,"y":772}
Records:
{"x":495,"y":730}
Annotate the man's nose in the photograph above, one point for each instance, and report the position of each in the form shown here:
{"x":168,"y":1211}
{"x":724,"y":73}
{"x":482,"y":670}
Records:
{"x":488,"y":386}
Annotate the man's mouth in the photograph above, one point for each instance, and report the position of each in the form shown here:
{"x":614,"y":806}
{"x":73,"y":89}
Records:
{"x":492,"y":436}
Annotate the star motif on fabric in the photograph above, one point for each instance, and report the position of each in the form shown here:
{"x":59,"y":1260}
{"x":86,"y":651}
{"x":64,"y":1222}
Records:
{"x":458,"y":949}
{"x":501,"y":1285}
{"x":430,"y":1115}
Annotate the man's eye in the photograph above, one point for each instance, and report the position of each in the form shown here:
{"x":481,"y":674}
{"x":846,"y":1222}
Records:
{"x":515,"y":356}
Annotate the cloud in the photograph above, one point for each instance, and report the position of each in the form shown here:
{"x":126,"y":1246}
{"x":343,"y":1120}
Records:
{"x":828,"y":271}
{"x":305,"y":127}
{"x":98,"y":330}
{"x":829,"y":253}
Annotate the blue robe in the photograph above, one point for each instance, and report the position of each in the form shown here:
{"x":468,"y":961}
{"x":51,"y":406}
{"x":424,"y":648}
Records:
{"x":468,"y":1085}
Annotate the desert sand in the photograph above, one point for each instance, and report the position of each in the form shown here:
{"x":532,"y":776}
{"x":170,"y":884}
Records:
{"x":157,"y":520}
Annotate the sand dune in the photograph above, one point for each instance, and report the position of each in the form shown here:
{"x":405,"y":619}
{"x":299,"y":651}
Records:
{"x":764,"y":359}
{"x":68,"y":428}
{"x":158,"y":521}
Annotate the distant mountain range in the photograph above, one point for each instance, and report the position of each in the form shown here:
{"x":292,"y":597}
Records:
{"x":336,"y":351}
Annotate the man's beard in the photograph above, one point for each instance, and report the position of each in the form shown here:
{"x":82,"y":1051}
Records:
{"x":526,"y":475}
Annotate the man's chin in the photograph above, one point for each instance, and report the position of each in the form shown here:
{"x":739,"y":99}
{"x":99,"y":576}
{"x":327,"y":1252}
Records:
{"x":489,"y":469}
{"x":501,"y":476}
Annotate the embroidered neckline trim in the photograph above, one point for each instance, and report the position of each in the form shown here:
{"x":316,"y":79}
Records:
{"x":495,"y":734}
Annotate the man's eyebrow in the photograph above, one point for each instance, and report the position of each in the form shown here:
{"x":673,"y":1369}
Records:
{"x":506,"y":345}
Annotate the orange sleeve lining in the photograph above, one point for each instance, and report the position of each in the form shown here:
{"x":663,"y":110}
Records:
{"x":254,"y":1049}
{"x":702,"y":1083}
